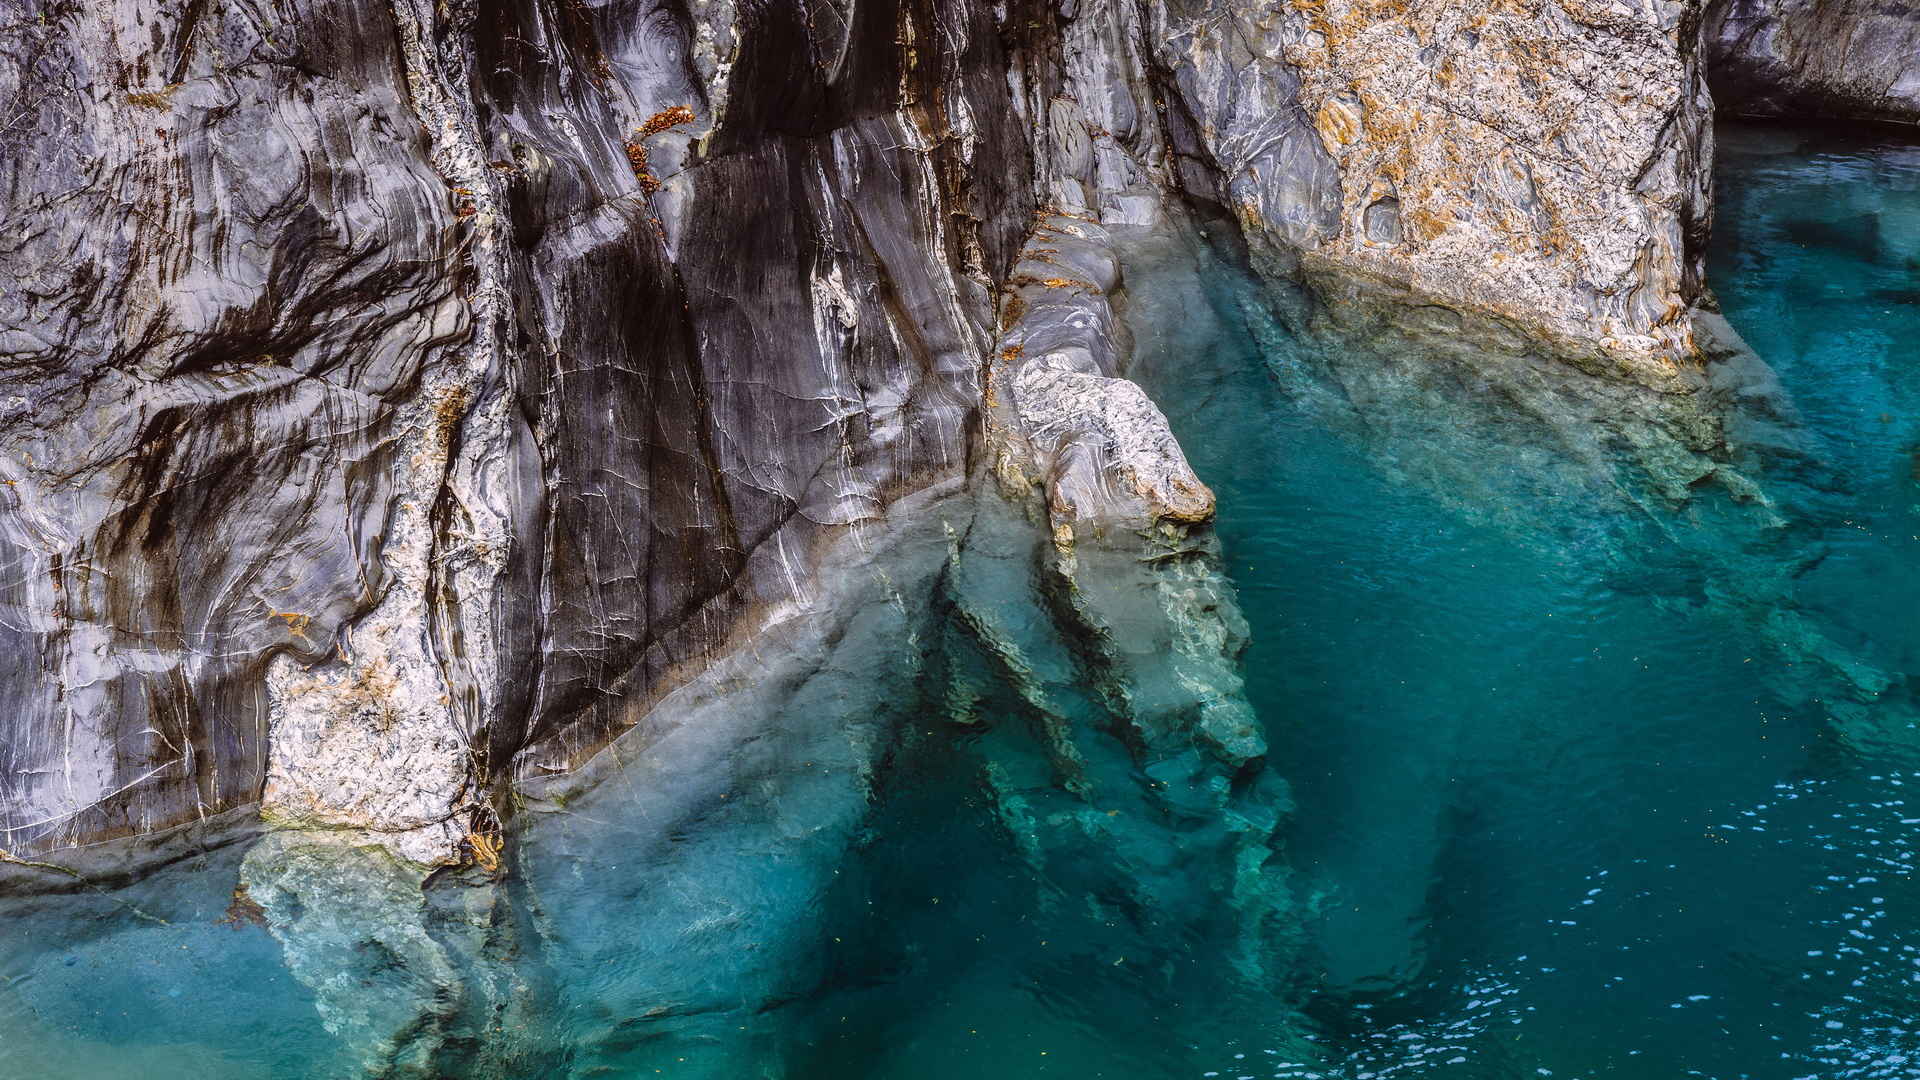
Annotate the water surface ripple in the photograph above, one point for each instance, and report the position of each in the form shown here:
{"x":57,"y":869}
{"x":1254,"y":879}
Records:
{"x":1587,"y":787}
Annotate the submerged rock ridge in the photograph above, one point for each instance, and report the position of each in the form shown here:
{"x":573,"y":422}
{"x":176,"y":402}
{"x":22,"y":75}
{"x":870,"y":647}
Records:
{"x":399,"y":401}
{"x":1845,"y":59}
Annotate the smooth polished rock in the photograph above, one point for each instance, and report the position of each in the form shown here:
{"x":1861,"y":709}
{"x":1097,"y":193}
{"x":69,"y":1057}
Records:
{"x":1848,"y":59}
{"x":1099,"y":446}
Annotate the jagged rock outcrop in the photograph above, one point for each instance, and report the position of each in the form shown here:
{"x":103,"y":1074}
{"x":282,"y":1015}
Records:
{"x":1846,"y":59}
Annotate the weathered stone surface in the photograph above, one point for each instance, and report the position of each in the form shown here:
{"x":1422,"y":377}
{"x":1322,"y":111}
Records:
{"x":1102,"y":449}
{"x":400,"y":399}
{"x":1852,"y":59}
{"x":373,"y":418}
{"x":1541,"y":160}
{"x":229,"y":320}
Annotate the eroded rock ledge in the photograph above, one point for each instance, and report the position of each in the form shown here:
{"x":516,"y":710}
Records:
{"x":1102,"y":449}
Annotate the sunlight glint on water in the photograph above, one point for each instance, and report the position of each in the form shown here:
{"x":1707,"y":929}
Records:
{"x":1574,"y":803}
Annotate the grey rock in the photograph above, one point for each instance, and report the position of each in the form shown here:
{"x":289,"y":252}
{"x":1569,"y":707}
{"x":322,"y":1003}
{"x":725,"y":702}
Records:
{"x":1850,"y":59}
{"x":374,"y":434}
{"x":1548,"y":162}
{"x":1102,"y":448}
{"x":399,"y":401}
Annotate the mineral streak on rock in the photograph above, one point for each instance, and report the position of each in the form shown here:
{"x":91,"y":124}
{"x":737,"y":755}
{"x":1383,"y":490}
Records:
{"x":1851,"y":59}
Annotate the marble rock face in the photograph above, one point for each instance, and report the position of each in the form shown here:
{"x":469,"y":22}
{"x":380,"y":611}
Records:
{"x":1541,"y":160}
{"x":1850,"y":59}
{"x":397,"y":400}
{"x":397,"y":396}
{"x":1102,"y":448}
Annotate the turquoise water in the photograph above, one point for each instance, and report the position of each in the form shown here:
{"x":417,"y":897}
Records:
{"x":1590,"y":786}
{"x":1567,"y":777}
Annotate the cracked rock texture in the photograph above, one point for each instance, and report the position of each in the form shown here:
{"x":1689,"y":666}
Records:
{"x":397,"y":400}
{"x":385,"y":415}
{"x":1546,"y":161}
{"x":1851,"y":59}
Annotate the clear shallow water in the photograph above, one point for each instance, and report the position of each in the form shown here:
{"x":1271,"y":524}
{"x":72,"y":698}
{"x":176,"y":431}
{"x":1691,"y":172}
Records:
{"x":1584,"y":784}
{"x":1578,"y":795}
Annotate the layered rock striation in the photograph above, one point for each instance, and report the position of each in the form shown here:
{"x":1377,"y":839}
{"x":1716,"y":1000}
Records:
{"x":1541,"y":161}
{"x":398,"y":400}
{"x":395,"y":405}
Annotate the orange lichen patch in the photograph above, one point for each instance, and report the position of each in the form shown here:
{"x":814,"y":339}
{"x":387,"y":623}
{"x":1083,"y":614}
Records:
{"x":1385,"y":124}
{"x":485,"y":851}
{"x":296,"y":623}
{"x":1012,"y":354}
{"x":1424,"y":223}
{"x":642,"y":171}
{"x":637,"y":150}
{"x":1015,"y":307}
{"x":1338,"y":123}
{"x":154,"y":99}
{"x":1020,"y":281}
{"x":1053,"y":283}
{"x":664,"y":119}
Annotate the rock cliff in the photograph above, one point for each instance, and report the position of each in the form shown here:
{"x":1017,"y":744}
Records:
{"x":397,"y":400}
{"x":1845,"y":59}
{"x":400,"y":396}
{"x":1540,"y":161}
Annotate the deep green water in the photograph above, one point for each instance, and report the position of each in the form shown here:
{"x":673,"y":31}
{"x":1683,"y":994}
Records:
{"x":1585,"y":782}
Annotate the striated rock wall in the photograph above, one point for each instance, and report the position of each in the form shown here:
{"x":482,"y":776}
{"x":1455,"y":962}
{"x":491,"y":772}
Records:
{"x":381,"y":404}
{"x":397,"y":400}
{"x":1849,"y":59}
